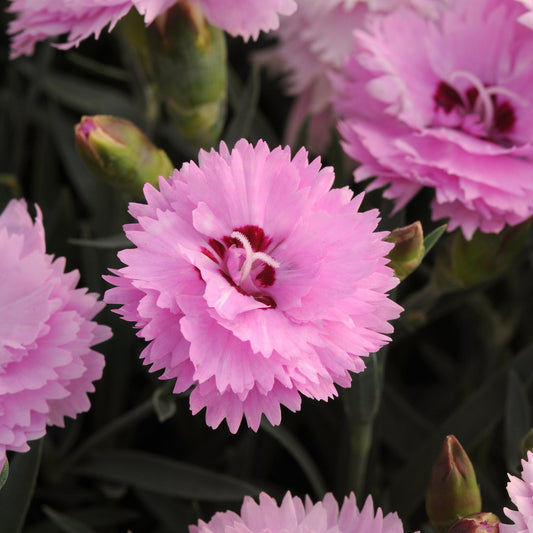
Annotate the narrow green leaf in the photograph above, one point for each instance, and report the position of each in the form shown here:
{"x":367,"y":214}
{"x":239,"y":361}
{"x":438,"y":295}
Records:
{"x":517,"y":420}
{"x":66,"y":523}
{"x":17,"y":493}
{"x":165,"y":476}
{"x":4,"y":473}
{"x":469,"y":423}
{"x":113,"y":242}
{"x":172,"y":514}
{"x":299,"y":454}
{"x":246,"y":107}
{"x":433,"y":237}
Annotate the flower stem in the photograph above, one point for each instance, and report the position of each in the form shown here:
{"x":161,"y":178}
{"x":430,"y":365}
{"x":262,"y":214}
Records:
{"x":361,"y":404}
{"x":360,"y":443}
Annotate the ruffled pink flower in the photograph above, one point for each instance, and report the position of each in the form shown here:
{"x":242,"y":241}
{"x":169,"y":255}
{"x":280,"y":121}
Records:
{"x":246,"y":17}
{"x":46,"y":332}
{"x":254,"y":282}
{"x":316,"y":41}
{"x":445,"y":104}
{"x":37,"y":20}
{"x":40,"y":19}
{"x":297,"y":516}
{"x":521,"y":493}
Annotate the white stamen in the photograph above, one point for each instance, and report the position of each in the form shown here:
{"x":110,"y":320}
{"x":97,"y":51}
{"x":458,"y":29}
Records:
{"x":251,"y":256}
{"x":484,"y":101}
{"x":510,"y":94}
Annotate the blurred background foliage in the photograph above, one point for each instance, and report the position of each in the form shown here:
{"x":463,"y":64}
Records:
{"x":461,"y":360}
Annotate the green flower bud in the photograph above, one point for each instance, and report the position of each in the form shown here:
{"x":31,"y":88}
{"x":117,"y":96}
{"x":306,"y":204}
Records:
{"x":118,"y":152}
{"x":485,"y":257}
{"x":188,"y":58}
{"x":453,"y":491}
{"x":476,"y":523}
{"x":408,"y":250}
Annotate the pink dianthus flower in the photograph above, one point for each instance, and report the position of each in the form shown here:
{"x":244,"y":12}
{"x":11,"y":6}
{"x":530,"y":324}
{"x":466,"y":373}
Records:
{"x":37,"y":20}
{"x":46,"y":332}
{"x":521,"y":494}
{"x":254,"y":282}
{"x":297,"y":516}
{"x":314,"y":42}
{"x":445,"y":104}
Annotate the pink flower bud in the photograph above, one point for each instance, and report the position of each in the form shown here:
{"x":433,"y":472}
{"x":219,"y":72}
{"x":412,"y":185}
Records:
{"x":477,"y":523}
{"x":453,"y":491}
{"x":117,"y":151}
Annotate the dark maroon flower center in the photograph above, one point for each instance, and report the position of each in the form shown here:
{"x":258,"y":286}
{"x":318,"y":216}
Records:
{"x":257,"y":269}
{"x":491,"y":105}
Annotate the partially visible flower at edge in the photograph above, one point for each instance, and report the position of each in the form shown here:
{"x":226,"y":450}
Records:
{"x":314,"y":42}
{"x":521,"y":493}
{"x":46,"y":332}
{"x":40,"y":19}
{"x":254,"y":282}
{"x":297,"y":516}
{"x":448,"y":110}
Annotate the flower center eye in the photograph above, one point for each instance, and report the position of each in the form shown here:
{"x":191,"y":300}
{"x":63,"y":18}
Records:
{"x":496,"y":115}
{"x":251,"y":256}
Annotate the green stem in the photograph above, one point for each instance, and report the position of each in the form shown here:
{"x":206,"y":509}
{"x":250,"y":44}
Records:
{"x":360,"y":443}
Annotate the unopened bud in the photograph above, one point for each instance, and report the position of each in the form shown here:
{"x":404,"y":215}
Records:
{"x":408,"y":250}
{"x":476,"y":523}
{"x":453,"y":491}
{"x":188,"y":58}
{"x":117,"y":151}
{"x":486,"y":256}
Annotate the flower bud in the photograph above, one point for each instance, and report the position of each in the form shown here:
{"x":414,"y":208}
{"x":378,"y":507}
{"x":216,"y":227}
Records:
{"x":476,"y":523}
{"x":453,"y":491}
{"x":484,"y":257}
{"x":408,"y":250}
{"x":188,"y":58}
{"x":120,"y":153}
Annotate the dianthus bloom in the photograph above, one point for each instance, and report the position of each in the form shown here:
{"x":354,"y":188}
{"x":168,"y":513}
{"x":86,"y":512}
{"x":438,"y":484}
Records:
{"x":296,"y":516}
{"x":521,"y":494}
{"x":316,"y":41}
{"x":254,"y":282}
{"x":445,"y":104}
{"x":37,"y":20}
{"x":46,"y":332}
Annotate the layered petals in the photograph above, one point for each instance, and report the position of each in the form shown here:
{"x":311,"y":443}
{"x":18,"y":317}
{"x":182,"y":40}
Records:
{"x":297,"y":516}
{"x":520,"y":490}
{"x":47,"y":366}
{"x":448,"y":110}
{"x":254,"y":282}
{"x":37,"y":20}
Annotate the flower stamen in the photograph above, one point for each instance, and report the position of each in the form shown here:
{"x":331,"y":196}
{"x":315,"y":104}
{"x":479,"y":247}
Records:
{"x":251,"y":256}
{"x":485,"y":105}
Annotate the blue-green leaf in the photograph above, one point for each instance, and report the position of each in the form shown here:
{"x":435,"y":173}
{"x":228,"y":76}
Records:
{"x":165,"y":476}
{"x":17,"y":493}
